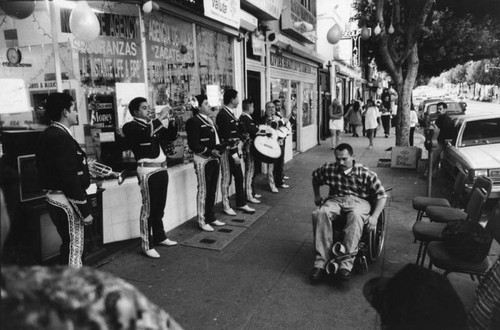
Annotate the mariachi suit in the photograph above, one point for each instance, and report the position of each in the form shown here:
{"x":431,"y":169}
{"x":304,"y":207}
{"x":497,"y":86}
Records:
{"x":229,"y":132}
{"x":249,"y":127}
{"x":275,"y":170}
{"x":63,"y":173}
{"x":202,"y":140}
{"x":147,"y":141}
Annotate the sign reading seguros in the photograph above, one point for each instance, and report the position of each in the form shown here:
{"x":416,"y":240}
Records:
{"x":224,"y":11}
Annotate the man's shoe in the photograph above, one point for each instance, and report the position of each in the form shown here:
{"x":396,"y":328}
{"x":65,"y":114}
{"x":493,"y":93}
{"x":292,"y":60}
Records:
{"x":217,"y":223}
{"x":284,"y":186}
{"x":207,"y":227}
{"x":230,"y":212}
{"x":254,"y":200}
{"x":246,"y":209}
{"x":275,"y":190}
{"x":257,"y":196}
{"x":317,"y":274}
{"x":285,"y":177}
{"x":168,"y":242}
{"x":344,"y":274}
{"x":152,"y":253}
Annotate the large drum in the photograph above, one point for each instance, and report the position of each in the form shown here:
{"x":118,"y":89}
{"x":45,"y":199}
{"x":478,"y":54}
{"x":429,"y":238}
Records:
{"x":265,"y":145}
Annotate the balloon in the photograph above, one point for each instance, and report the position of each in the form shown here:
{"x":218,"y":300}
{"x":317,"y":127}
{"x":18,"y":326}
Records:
{"x":391,"y":29}
{"x":147,"y":7}
{"x":18,"y":9}
{"x":183,"y":50}
{"x":365,"y":33}
{"x":333,"y":35}
{"x":377,"y":29}
{"x":83,"y":22}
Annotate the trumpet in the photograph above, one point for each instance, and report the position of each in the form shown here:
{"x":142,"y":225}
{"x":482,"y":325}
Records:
{"x":98,"y":170}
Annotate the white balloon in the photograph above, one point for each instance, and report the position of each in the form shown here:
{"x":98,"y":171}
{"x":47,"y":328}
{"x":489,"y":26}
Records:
{"x":83,"y":22}
{"x":147,"y":7}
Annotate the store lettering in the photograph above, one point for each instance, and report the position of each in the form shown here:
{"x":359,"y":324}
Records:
{"x":219,"y":5}
{"x":107,"y":47}
{"x":104,"y":118}
{"x":167,"y":34}
{"x":111,"y":67}
{"x":169,"y":54}
{"x":288,"y":63}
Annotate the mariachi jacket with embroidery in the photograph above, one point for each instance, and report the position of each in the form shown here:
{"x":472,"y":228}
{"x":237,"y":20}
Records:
{"x":201,"y":136}
{"x":62,"y":165}
{"x":145,"y":139}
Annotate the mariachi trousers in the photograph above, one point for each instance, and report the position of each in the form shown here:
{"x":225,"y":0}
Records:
{"x":69,"y":225}
{"x":207,"y":173}
{"x":249,"y":170}
{"x":230,"y":168}
{"x":154,"y":184}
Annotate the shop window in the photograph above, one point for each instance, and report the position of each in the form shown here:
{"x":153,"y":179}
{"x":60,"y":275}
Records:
{"x":309,"y":105}
{"x":281,"y":91}
{"x":216,"y":61}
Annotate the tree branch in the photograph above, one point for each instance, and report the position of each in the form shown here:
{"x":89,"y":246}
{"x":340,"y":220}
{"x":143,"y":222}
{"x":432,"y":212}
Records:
{"x":414,"y":32}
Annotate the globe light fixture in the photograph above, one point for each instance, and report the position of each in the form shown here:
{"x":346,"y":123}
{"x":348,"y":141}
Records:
{"x":334,"y":34}
{"x":365,"y":33}
{"x":391,"y":29}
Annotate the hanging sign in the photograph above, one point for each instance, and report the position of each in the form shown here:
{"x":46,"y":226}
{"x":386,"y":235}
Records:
{"x":224,"y":11}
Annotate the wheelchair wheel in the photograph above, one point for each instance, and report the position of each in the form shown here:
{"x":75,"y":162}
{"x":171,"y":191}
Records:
{"x":376,"y":239}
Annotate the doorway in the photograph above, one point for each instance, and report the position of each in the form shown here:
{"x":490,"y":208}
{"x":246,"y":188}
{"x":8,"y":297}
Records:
{"x":254,"y":93}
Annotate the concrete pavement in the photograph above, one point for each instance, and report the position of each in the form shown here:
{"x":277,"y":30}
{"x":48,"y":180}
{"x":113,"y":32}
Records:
{"x":260,"y":280}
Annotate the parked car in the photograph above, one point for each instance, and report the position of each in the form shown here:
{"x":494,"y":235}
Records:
{"x":428,"y":108}
{"x":476,"y":149}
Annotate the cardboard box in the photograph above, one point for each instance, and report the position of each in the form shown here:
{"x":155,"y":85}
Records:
{"x":405,"y":157}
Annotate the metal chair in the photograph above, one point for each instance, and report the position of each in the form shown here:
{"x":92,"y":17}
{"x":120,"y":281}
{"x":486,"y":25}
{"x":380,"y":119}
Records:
{"x":443,"y":214}
{"x":426,"y":232}
{"x":441,"y":258}
{"x":420,"y":203}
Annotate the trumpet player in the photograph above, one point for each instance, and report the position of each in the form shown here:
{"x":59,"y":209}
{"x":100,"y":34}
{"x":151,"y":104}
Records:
{"x":64,"y":174}
{"x":147,"y":138}
{"x":204,"y":141}
{"x":250,"y":129}
{"x":230,"y":134}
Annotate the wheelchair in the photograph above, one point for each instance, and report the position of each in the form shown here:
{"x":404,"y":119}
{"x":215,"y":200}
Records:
{"x":370,"y":244}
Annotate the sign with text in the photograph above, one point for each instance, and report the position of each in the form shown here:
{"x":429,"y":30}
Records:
{"x":291,"y":64}
{"x":114,"y":56}
{"x":271,"y":7}
{"x":224,"y":11}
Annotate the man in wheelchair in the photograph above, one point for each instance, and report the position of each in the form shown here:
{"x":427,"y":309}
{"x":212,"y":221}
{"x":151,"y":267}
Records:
{"x":352,"y":187}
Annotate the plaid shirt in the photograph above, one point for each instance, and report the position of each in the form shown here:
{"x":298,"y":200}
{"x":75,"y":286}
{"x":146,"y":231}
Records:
{"x":360,"y":181}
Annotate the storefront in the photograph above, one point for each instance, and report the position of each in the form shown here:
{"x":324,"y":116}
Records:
{"x":294,"y":82}
{"x":167,"y":56}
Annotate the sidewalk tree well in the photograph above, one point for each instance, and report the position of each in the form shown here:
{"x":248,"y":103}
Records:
{"x":429,"y":36}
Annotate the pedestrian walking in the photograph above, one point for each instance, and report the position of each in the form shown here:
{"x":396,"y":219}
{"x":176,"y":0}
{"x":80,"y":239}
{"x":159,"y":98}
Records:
{"x":372,"y":121}
{"x":336,"y":123}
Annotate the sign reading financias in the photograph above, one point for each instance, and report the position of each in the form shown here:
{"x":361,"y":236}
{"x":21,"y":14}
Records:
{"x":115,"y":55}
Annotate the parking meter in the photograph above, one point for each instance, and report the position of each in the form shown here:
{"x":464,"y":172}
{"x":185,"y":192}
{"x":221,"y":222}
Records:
{"x":429,"y":134}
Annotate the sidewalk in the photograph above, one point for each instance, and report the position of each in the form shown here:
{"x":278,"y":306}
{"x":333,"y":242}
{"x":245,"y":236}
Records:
{"x":260,"y":280}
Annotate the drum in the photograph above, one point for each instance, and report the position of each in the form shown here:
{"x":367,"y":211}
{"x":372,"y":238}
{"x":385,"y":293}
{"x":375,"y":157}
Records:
{"x":265,"y":146}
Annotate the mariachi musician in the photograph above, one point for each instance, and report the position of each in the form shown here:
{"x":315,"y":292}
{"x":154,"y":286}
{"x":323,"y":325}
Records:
{"x":230,"y":134}
{"x":250,"y":129}
{"x":147,"y":138}
{"x":204,"y":142}
{"x":63,"y":172}
{"x":275,"y":170}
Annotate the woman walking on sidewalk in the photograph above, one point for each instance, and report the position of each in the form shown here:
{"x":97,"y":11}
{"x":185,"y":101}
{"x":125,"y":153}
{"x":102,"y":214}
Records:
{"x":371,"y":121}
{"x":353,"y":117}
{"x":336,"y":123}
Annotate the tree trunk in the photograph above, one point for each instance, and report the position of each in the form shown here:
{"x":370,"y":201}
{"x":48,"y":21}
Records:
{"x":405,"y":89}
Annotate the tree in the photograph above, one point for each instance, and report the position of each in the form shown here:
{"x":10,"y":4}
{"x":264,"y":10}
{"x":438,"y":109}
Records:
{"x":449,"y":32}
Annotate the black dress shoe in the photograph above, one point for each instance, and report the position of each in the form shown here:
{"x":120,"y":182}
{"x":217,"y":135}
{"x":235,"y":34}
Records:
{"x":317,"y":274}
{"x":344,"y":274}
